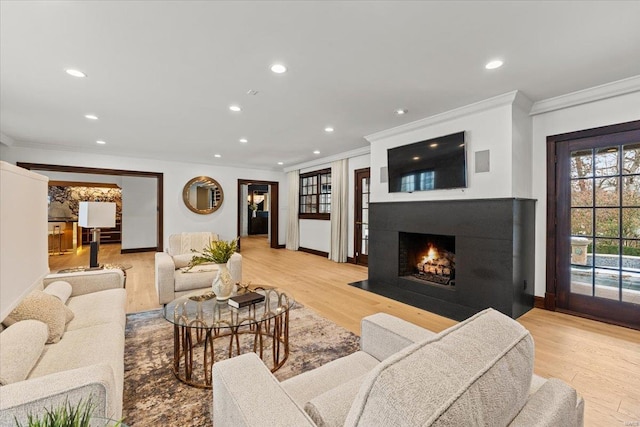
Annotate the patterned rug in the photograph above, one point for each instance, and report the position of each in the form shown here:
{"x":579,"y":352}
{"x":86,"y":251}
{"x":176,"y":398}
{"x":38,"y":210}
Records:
{"x":154,"y":397}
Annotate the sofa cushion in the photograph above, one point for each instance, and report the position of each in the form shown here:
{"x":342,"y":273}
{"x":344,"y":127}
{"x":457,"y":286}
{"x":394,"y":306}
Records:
{"x":46,"y":308}
{"x":330,"y":409}
{"x":308,"y":385}
{"x":20,"y":348}
{"x":475,"y":373}
{"x":88,"y":346}
{"x":98,"y":308}
{"x":60,"y":289}
{"x":198,"y":277}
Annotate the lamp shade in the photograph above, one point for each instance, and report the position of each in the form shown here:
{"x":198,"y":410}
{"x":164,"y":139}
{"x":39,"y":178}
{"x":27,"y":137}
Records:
{"x":97,"y":214}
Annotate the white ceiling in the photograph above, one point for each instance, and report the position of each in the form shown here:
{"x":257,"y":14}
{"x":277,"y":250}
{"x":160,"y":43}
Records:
{"x":161,"y":74}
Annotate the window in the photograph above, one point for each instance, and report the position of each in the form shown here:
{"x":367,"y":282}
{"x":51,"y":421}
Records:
{"x":315,"y":195}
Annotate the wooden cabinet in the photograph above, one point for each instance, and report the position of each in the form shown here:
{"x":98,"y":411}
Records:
{"x":107,"y":235}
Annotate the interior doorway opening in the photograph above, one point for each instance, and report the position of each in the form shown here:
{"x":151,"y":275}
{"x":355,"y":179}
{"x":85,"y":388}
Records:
{"x":258,"y":210}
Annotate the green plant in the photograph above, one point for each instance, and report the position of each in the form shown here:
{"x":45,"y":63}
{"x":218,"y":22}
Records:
{"x":218,"y":252}
{"x":67,"y":415}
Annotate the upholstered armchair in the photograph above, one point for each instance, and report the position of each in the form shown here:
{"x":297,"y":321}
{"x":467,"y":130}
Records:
{"x":478,"y":372}
{"x":171,"y":279}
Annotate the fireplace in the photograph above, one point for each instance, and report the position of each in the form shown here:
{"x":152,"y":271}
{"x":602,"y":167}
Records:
{"x":429,"y":258}
{"x":485,"y":255}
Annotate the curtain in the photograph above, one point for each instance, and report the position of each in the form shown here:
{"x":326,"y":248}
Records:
{"x":339,"y":210}
{"x":293,"y":227}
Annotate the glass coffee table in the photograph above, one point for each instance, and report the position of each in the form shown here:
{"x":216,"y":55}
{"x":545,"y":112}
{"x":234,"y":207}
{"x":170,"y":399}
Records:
{"x":206,"y":330}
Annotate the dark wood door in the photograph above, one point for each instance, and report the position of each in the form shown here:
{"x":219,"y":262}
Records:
{"x":361,"y":255}
{"x":597,"y":226}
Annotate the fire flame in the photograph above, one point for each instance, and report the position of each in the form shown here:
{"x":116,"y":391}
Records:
{"x":431,"y":254}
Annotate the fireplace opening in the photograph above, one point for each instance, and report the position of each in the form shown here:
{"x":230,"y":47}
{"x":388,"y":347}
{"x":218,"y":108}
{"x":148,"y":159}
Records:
{"x":428,"y":257}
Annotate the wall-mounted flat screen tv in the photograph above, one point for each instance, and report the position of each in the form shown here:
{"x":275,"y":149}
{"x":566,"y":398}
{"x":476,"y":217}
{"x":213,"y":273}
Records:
{"x":434,"y":164}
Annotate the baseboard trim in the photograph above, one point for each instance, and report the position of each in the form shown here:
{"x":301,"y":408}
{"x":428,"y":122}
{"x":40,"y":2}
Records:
{"x":281,"y":246}
{"x":314,"y":252}
{"x":351,"y":260}
{"x":538,"y":302}
{"x":136,"y":250}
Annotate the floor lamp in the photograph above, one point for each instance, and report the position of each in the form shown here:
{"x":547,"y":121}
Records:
{"x":95,"y":215}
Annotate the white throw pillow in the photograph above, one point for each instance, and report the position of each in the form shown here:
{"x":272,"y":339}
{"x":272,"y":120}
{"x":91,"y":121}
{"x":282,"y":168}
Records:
{"x":46,"y":308}
{"x":21,"y":345}
{"x":182,"y":260}
{"x":60,"y":289}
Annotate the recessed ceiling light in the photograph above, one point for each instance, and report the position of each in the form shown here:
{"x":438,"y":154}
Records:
{"x":75,"y":73}
{"x":416,"y":158}
{"x":217,"y":156}
{"x":281,"y":163}
{"x":91,"y":116}
{"x":493,"y":64}
{"x":278,"y":68}
{"x":434,"y":145}
{"x":244,"y":140}
{"x":401,"y":111}
{"x":328,"y":129}
{"x":101,"y":142}
{"x":235,"y":108}
{"x":316,"y":152}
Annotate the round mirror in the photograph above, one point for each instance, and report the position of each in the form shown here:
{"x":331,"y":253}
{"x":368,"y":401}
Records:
{"x":203,"y":195}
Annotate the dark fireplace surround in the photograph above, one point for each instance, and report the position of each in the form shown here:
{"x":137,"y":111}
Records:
{"x":493,"y":243}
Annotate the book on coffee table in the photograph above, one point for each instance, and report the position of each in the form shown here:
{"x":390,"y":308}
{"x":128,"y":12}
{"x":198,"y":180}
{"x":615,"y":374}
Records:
{"x":239,"y":301}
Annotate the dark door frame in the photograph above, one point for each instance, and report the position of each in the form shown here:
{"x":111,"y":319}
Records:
{"x":98,"y":171}
{"x":555,"y":193}
{"x":273,"y":209}
{"x":357,"y":217}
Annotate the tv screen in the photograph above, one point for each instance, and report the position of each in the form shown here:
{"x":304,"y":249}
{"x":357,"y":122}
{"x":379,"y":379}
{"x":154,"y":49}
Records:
{"x":434,"y":164}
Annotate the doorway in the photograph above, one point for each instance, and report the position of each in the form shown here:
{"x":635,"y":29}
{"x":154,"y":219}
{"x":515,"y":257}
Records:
{"x":361,"y":217}
{"x":155,"y":176}
{"x":258,"y":209}
{"x":594,"y":223}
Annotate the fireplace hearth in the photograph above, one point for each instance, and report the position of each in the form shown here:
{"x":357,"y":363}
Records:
{"x":427,"y":257}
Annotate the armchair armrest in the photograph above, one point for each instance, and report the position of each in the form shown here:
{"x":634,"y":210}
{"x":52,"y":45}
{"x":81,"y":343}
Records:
{"x":86,"y":282}
{"x":382,"y":335}
{"x":247,"y":394}
{"x":164,"y":280}
{"x":235,"y":267}
{"x":34,"y":396}
{"x":554,"y":404}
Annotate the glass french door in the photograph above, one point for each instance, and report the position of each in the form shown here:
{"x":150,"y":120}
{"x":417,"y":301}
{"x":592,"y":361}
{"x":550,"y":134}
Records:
{"x":361,"y":227}
{"x":598,"y":222}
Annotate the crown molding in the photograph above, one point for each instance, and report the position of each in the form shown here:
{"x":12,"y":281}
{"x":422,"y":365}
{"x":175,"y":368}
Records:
{"x":597,"y":93}
{"x":487,"y":104}
{"x":345,"y":155}
{"x":7,"y":140}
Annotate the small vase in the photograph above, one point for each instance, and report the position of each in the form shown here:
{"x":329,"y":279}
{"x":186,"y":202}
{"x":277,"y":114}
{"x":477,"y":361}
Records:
{"x":223,"y":283}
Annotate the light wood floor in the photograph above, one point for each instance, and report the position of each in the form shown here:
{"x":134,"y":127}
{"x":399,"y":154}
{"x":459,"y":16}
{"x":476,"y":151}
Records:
{"x":601,"y":361}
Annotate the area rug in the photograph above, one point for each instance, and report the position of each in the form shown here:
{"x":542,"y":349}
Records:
{"x":152,"y":394}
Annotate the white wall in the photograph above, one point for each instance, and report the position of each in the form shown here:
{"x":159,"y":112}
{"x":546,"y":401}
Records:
{"x":139,"y":212}
{"x":23,"y":234}
{"x":177,"y":218}
{"x":487,"y":126}
{"x":618,"y":109}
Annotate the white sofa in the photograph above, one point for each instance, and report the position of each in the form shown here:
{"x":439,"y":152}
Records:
{"x":478,"y":372}
{"x":172,"y":281}
{"x":87,"y":361}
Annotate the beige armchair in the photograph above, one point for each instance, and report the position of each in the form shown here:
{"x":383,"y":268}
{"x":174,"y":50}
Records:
{"x":478,"y":372}
{"x":172,"y":281}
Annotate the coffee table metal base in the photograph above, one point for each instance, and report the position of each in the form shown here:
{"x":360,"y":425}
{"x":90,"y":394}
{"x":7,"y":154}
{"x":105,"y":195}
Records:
{"x":268,"y":338}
